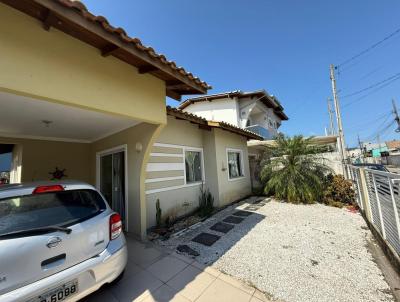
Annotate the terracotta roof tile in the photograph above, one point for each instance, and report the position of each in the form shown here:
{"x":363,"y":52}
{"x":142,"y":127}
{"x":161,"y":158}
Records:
{"x":395,"y":144}
{"x":213,"y":124}
{"x":80,"y":8}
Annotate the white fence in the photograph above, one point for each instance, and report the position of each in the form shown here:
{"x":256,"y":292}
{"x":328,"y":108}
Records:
{"x":378,"y":196}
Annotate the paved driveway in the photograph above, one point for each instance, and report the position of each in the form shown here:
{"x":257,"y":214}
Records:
{"x":156,"y":274}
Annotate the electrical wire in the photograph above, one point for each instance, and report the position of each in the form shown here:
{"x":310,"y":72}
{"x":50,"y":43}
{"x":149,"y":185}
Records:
{"x":368,"y":49}
{"x":379,"y":132}
{"x":371,"y":86}
{"x":356,"y":128}
{"x":371,"y":92}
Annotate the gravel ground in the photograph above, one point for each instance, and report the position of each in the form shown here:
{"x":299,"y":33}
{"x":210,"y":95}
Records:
{"x":296,"y":253}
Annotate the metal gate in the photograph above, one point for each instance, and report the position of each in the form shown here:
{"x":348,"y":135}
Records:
{"x":378,"y":197}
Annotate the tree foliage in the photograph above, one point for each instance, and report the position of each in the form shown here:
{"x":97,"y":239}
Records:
{"x":339,"y":191}
{"x":294,"y":170}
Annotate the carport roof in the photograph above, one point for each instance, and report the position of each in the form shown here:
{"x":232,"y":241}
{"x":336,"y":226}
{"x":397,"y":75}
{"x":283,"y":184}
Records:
{"x":208,"y":125}
{"x":74,"y":19}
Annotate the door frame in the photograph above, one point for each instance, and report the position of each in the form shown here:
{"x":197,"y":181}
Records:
{"x":117,"y":149}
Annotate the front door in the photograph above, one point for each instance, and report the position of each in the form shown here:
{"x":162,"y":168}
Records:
{"x":112,"y":180}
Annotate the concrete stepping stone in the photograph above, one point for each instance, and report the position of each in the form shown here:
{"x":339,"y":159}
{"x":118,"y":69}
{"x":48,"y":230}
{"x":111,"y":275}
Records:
{"x":222,"y":227}
{"x":242,"y":213}
{"x":185,"y":249}
{"x":252,"y":208}
{"x":206,"y":239}
{"x":233,"y":219}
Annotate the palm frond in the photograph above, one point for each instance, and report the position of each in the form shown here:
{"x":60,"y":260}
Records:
{"x":296,"y":171}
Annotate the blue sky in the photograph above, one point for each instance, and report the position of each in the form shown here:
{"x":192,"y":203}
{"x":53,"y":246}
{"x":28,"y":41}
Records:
{"x":282,"y":46}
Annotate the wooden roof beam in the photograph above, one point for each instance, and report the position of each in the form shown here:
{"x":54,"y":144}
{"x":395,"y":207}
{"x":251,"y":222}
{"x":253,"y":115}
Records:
{"x":147,"y":69}
{"x":173,"y":95}
{"x":109,"y":49}
{"x":179,"y":86}
{"x":48,"y":20}
{"x":89,"y":27}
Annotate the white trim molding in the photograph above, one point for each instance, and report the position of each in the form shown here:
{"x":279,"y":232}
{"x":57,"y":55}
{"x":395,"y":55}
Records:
{"x":166,"y":155}
{"x":150,"y":180}
{"x":161,"y":167}
{"x":173,"y":188}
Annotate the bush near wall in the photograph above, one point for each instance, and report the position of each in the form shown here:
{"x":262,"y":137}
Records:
{"x":339,"y":191}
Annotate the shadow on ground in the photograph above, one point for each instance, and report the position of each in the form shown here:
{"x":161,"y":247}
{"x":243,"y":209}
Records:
{"x":159,"y":273}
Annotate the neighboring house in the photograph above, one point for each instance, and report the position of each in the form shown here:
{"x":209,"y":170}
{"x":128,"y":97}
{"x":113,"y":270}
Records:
{"x":190,"y":152}
{"x":256,"y":111}
{"x":80,"y":99}
{"x":374,"y":149}
{"x":393,"y":146}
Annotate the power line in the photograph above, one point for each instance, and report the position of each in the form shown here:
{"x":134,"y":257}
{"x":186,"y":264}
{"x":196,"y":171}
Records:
{"x":371,"y":86}
{"x":356,"y":128}
{"x":379,"y":132}
{"x":368,"y":49}
{"x":371,"y":92}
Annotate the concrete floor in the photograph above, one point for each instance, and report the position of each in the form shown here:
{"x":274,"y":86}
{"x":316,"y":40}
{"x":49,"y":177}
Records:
{"x":157,"y":274}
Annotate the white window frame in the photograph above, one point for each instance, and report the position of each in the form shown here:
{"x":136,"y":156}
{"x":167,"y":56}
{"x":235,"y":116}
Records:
{"x":241,"y":163}
{"x":99,"y":155}
{"x":186,"y":148}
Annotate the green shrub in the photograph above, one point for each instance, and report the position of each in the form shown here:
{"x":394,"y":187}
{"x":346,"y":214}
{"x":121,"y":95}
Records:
{"x":293,"y":170}
{"x":158,"y":213}
{"x":206,"y":202}
{"x":338,"y":192}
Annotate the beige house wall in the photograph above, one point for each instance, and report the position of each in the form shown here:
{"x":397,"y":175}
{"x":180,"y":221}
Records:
{"x":234,"y":189}
{"x":138,"y":140}
{"x":180,"y":201}
{"x":176,"y":198}
{"x":53,"y":66}
{"x":40,"y":157}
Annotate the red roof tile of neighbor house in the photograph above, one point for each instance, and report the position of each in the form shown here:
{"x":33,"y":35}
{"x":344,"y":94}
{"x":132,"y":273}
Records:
{"x":208,"y":125}
{"x":73,"y":18}
{"x":393,"y":144}
{"x":268,"y":100}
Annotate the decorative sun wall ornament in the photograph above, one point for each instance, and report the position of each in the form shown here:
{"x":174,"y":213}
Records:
{"x":58,"y":174}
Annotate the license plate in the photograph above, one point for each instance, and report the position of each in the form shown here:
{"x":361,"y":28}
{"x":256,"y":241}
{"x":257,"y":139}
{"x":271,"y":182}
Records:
{"x":59,"y":293}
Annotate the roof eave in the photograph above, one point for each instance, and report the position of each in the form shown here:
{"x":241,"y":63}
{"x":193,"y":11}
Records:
{"x":71,"y":19}
{"x":205,"y":124}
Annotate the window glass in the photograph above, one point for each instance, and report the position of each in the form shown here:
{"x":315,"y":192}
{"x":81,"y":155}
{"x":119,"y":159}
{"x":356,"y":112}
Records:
{"x":235,"y":164}
{"x":193,"y":166}
{"x":48,"y":209}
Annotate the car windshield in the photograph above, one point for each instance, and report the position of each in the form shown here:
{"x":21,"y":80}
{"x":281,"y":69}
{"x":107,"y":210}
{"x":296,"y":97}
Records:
{"x":61,"y":208}
{"x":377,"y":167}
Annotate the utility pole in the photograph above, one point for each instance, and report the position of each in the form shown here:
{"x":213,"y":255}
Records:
{"x":342,"y":145}
{"x":378,"y":139}
{"x":361,"y":147}
{"x":330,"y":111}
{"x":396,"y":115}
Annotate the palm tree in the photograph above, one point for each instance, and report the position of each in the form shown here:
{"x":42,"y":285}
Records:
{"x":294,"y":170}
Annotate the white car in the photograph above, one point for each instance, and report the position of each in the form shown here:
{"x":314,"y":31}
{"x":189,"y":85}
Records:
{"x":58,"y":242}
